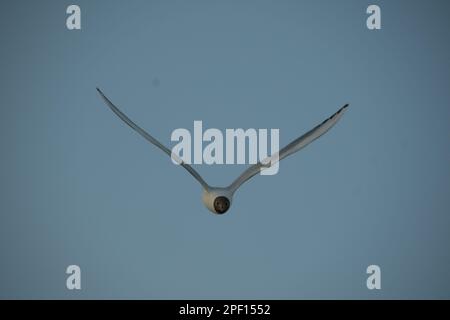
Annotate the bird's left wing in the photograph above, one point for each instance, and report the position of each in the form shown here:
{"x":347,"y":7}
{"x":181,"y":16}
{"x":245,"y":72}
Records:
{"x":291,"y":148}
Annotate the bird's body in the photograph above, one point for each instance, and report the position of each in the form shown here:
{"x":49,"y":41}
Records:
{"x":217,"y":199}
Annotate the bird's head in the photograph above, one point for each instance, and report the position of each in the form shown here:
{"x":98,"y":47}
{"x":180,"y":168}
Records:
{"x":217,"y":200}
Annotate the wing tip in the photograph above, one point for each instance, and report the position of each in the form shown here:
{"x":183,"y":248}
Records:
{"x":340,"y":110}
{"x":337,"y":113}
{"x":102,"y":95}
{"x":343,"y":108}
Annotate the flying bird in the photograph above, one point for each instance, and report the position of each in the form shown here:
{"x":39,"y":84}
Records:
{"x":218,"y":199}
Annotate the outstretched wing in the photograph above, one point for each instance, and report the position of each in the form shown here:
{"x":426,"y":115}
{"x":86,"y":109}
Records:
{"x":152,"y":140}
{"x":291,"y":148}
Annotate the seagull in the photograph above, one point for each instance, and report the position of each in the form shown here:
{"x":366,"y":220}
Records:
{"x":218,"y":199}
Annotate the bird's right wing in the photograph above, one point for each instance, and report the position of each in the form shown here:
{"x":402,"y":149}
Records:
{"x":291,"y":148}
{"x":152,"y":140}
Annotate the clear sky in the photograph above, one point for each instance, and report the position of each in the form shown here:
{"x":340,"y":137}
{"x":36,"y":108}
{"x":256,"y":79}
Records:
{"x":80,"y":187}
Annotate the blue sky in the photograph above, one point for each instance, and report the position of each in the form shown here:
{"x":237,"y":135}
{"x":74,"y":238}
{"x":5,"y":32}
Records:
{"x":80,"y":187}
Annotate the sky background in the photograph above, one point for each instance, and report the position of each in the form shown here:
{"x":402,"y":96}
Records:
{"x":77,"y":186}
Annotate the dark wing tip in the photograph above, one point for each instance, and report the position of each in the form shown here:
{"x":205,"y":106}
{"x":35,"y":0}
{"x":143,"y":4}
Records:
{"x":102,"y":95}
{"x":344,"y":107}
{"x":335,"y":114}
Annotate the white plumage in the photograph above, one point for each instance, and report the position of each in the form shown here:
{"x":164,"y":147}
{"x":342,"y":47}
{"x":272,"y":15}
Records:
{"x":218,"y":200}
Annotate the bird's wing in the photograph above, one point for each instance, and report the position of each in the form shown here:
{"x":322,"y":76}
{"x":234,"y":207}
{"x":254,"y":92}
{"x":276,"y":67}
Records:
{"x":152,"y":140}
{"x":291,"y":148}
